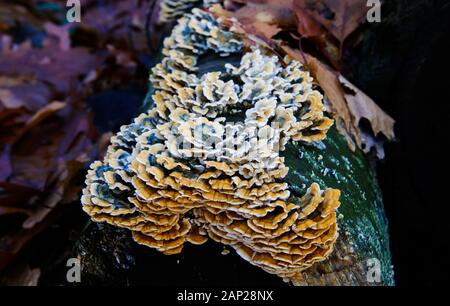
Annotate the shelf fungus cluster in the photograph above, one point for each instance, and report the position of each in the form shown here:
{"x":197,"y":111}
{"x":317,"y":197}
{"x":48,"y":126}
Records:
{"x":183,"y":172}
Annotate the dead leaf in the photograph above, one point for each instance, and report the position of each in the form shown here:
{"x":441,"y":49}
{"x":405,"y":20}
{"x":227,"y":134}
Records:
{"x":13,"y":14}
{"x":9,"y":99}
{"x":362,"y":106}
{"x":46,"y":131}
{"x":328,"y":80}
{"x":120,"y":21}
{"x":22,"y":91}
{"x":43,"y":114}
{"x":49,"y":64}
{"x":45,"y":208}
{"x":61,"y":32}
{"x":262,"y":18}
{"x":312,"y":30}
{"x":33,"y":174}
{"x":5,"y":163}
{"x":266,"y":18}
{"x":307,"y":26}
{"x":349,"y":109}
{"x":22,"y":275}
{"x":325,"y":23}
{"x":12,"y":244}
{"x":339,"y":17}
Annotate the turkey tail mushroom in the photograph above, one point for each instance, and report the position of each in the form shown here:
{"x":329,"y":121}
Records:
{"x":181,"y":173}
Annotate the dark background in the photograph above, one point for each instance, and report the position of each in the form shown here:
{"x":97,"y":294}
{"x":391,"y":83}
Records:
{"x":405,"y":67}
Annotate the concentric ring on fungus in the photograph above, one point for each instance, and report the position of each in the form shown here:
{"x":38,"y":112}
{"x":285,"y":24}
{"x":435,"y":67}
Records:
{"x":227,"y":184}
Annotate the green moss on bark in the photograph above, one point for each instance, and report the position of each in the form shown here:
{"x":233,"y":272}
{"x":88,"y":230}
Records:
{"x":332,"y":164}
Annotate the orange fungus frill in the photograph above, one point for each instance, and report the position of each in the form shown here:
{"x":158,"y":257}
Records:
{"x":181,"y":172}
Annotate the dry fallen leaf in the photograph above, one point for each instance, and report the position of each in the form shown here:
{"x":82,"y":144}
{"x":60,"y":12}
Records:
{"x":123,"y":22}
{"x":22,"y":275}
{"x":43,"y":142}
{"x":326,"y":23}
{"x":48,"y":64}
{"x":43,"y":114}
{"x":339,"y":17}
{"x":61,"y":32}
{"x":328,"y":80}
{"x":9,"y":99}
{"x":262,"y":18}
{"x":14,"y":14}
{"x":307,"y":26}
{"x":312,"y":30}
{"x":46,"y":132}
{"x":362,"y":106}
{"x":347,"y":108}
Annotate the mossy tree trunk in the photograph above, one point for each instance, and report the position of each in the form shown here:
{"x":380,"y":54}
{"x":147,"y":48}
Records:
{"x":363,"y":243}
